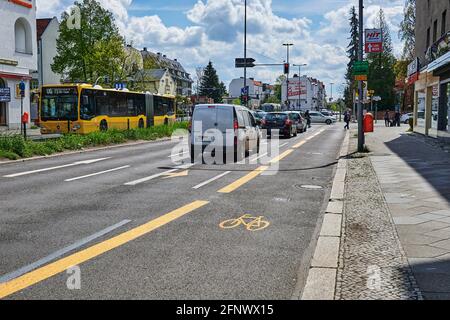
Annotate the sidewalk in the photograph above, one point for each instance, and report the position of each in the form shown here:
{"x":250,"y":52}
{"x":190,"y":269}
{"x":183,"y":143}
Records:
{"x":396,"y":241}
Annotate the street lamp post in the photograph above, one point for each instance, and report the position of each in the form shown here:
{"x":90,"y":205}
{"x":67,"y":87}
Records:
{"x":245,"y":53}
{"x":360,"y":85}
{"x":287,"y":45}
{"x":331,"y":84}
{"x":300,"y":82}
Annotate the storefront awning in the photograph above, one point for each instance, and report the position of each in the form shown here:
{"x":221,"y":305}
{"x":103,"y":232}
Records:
{"x":439,"y":62}
{"x":15,"y":76}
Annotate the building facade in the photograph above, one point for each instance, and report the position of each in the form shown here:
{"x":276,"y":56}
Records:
{"x":258,"y":91}
{"x":47,"y":33}
{"x":182,"y":79}
{"x":430,"y":71}
{"x":304,"y":93}
{"x":158,"y":81}
{"x":18,"y":58}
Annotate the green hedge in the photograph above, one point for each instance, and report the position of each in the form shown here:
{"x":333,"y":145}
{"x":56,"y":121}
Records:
{"x":15,"y":146}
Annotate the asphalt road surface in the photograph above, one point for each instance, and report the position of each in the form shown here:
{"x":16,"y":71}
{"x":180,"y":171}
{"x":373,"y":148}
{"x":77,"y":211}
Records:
{"x":137,"y":226}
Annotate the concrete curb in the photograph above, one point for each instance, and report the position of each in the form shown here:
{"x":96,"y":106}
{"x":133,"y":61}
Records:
{"x":114,"y":146}
{"x":322,"y":276}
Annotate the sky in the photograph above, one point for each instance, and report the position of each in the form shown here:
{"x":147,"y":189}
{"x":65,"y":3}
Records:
{"x":198,"y":31}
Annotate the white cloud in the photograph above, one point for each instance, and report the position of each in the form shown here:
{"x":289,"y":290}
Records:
{"x":216,"y":33}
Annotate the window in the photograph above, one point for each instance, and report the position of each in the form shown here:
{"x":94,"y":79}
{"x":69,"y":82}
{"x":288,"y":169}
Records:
{"x":444,"y":22}
{"x":22,"y":34}
{"x":428,"y":38}
{"x":246,"y":118}
{"x":435,"y":30}
{"x":87,"y":111}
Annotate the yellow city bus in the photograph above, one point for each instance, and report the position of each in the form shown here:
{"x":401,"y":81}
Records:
{"x":82,"y":108}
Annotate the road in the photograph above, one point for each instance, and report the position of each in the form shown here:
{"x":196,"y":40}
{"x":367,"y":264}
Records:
{"x":160,"y":237}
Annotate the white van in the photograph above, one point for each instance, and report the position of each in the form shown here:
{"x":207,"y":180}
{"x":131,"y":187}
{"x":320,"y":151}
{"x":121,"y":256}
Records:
{"x":238,"y":129}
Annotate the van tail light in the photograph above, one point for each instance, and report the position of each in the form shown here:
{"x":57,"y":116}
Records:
{"x":236,"y":125}
{"x":190,"y":126}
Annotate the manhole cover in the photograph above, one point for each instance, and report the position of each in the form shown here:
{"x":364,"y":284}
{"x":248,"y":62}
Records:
{"x":310,"y":187}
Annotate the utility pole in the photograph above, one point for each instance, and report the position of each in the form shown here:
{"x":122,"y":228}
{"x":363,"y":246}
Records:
{"x":360,"y":83}
{"x":331,"y":84}
{"x":245,"y":53}
{"x":300,"y":82}
{"x":287,"y":45}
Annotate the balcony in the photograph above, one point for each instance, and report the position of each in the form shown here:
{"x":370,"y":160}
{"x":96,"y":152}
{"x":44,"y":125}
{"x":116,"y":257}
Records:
{"x":438,"y":49}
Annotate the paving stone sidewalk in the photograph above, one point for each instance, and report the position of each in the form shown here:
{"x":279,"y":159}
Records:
{"x":372,"y":264}
{"x":414,"y":175}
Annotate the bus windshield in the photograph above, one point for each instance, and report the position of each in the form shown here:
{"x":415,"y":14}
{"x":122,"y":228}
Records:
{"x":59,"y":104}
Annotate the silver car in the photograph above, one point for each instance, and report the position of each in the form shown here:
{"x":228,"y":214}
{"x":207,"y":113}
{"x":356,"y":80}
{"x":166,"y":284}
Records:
{"x":225,"y":119}
{"x":318,"y":117}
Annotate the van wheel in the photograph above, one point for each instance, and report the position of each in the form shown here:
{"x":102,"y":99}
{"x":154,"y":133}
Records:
{"x":141,"y":124}
{"x":103,"y":125}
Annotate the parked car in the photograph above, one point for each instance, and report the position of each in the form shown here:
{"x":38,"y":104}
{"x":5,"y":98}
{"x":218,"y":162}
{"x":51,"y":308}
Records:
{"x":405,"y":118}
{"x":259,"y":114}
{"x":318,"y":117}
{"x":236,"y":119}
{"x":302,"y":125}
{"x":282,"y":121}
{"x":327,"y":113}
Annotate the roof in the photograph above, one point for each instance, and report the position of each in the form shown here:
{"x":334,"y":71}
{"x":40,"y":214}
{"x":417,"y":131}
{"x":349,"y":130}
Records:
{"x":153,"y":74}
{"x":170,"y":64}
{"x":41,"y":26}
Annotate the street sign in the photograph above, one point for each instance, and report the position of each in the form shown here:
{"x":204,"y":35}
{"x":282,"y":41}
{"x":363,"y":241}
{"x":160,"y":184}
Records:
{"x":244,"y":91}
{"x":22,"y":88}
{"x":374,"y":47}
{"x":374,"y":41}
{"x":360,"y":68}
{"x":5,"y":94}
{"x":361,"y":77}
{"x":377,"y":98}
{"x":245,"y":62}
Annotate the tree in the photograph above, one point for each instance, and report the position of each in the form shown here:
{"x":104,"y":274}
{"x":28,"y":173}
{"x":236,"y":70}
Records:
{"x":210,"y":86}
{"x":91,"y":51}
{"x":278,"y":89}
{"x":407,"y":30}
{"x":381,"y":67}
{"x":352,"y":53}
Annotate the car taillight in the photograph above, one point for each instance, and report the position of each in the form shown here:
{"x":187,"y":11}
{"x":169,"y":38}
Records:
{"x":236,"y":125}
{"x":263,"y":122}
{"x":190,"y":126}
{"x":288,"y":122}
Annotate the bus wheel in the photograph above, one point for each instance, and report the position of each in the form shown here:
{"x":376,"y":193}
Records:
{"x":103,"y":125}
{"x":166,"y":121}
{"x":141,"y":124}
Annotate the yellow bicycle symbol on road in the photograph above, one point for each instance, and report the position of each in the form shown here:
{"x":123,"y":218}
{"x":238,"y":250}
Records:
{"x":250,"y":222}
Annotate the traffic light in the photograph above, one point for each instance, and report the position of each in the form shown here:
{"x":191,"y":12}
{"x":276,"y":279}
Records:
{"x":286,"y":68}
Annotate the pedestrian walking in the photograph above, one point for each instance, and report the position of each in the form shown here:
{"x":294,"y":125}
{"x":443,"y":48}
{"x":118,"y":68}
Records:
{"x":387,"y":119}
{"x":308,"y":118}
{"x":397,"y":119}
{"x":347,"y":119}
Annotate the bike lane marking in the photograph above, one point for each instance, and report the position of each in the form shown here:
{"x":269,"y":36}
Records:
{"x":80,"y":257}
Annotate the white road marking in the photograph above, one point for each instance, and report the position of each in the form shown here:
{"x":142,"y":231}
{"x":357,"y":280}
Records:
{"x":146,"y":179}
{"x":179,"y":155}
{"x":211,"y":180}
{"x":55,"y":168}
{"x":96,"y":174}
{"x":59,"y":253}
{"x":284,"y":144}
{"x":258,"y":157}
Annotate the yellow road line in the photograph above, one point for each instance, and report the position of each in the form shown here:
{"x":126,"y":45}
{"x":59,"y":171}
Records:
{"x":281,"y":156}
{"x":62,"y":265}
{"x":240,"y":182}
{"x":298,"y":145}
